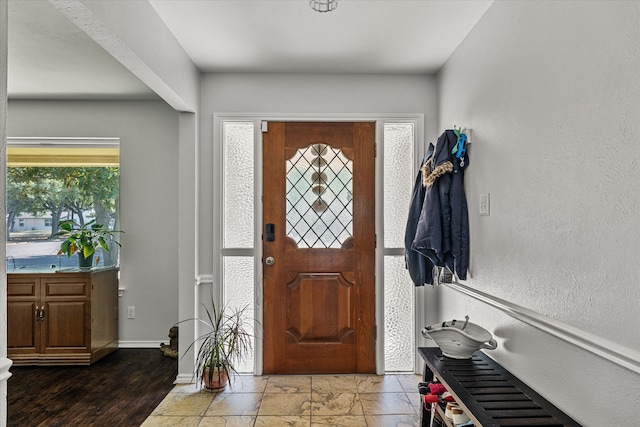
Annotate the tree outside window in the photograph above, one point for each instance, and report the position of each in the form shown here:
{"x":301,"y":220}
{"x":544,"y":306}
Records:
{"x":39,"y":197}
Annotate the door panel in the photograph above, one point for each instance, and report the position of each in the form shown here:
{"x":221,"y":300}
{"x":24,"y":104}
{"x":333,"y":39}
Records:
{"x":318,"y":308}
{"x":319,"y":293}
{"x":23,"y":331}
{"x":66,"y":327}
{"x":23,"y":336}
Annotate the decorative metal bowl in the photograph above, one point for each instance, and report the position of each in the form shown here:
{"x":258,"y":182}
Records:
{"x":459,"y":339}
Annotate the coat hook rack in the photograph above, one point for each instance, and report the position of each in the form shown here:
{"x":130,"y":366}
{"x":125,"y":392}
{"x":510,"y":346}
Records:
{"x":466,"y":131}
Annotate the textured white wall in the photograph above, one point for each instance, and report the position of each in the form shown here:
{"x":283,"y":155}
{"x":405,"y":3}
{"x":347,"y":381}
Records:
{"x":295,"y":94}
{"x":134,"y":34}
{"x":551,"y":92}
{"x":148,"y":132}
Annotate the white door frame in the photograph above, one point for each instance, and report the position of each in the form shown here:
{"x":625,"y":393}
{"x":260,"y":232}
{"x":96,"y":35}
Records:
{"x":258,"y":119}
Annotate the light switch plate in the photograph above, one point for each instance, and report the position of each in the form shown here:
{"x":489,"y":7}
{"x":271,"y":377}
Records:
{"x":484,"y":204}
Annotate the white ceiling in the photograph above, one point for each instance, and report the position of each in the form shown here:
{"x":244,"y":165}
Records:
{"x":51,"y":58}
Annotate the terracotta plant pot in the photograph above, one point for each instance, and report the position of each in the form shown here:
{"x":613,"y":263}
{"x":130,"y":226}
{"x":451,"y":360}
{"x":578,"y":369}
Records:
{"x":218,"y":381}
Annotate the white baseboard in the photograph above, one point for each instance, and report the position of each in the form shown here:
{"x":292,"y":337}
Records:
{"x":141,"y":344}
{"x":183,"y":379}
{"x":614,"y":352}
{"x":5,"y":364}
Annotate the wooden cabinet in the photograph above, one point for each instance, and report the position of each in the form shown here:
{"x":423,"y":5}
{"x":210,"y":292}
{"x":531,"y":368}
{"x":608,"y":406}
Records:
{"x":62,"y":318}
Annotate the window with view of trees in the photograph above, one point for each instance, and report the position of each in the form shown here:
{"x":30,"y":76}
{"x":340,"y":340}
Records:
{"x":47,"y":183}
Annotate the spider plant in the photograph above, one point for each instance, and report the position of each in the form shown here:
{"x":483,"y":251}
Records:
{"x":225,"y":343}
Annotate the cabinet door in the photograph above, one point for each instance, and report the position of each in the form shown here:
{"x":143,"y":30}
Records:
{"x":23,"y":330}
{"x":67,"y":310}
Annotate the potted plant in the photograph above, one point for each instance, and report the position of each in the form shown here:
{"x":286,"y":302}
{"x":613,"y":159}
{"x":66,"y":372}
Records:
{"x":84,"y":239}
{"x":225,"y":342}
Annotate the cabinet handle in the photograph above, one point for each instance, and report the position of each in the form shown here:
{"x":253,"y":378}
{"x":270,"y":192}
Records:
{"x":39,"y":313}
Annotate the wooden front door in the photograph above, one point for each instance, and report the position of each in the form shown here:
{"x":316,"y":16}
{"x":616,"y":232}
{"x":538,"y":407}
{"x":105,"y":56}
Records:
{"x":319,"y":248}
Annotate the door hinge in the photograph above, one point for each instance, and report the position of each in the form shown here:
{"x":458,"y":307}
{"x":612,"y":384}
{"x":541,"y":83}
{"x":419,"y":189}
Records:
{"x":375,"y":149}
{"x":264,"y":126}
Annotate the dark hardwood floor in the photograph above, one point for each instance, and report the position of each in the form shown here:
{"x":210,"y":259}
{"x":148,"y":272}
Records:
{"x":120,"y":390}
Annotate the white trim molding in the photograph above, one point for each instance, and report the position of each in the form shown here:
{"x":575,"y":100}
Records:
{"x":72,"y":142}
{"x":204,"y":279}
{"x":5,"y":364}
{"x":184,"y":379}
{"x":141,"y":344}
{"x":614,"y":352}
{"x":262,"y":119}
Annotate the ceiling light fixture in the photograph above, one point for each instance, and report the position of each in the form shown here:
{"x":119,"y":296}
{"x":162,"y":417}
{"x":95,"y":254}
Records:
{"x":323,"y":5}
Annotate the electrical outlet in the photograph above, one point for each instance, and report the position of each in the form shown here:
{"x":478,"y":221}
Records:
{"x":484,"y":204}
{"x":131,"y":312}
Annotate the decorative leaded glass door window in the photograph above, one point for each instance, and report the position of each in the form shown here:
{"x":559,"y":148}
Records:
{"x":319,"y":197}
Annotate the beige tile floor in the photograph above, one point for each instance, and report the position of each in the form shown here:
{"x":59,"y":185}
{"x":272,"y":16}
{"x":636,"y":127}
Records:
{"x":310,"y":401}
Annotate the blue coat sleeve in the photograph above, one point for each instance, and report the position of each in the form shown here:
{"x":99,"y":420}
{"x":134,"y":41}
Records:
{"x":420,"y":267}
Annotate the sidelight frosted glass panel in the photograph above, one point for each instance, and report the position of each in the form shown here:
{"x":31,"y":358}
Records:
{"x":399,"y":339}
{"x":238,"y":185}
{"x":238,"y":288}
{"x":398,"y":181}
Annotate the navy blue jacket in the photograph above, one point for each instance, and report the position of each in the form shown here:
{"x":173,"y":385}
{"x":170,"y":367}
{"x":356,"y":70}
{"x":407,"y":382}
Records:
{"x":420,"y":267}
{"x":442,"y":232}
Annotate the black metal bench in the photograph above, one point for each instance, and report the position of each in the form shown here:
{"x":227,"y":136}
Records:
{"x":489,"y":394}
